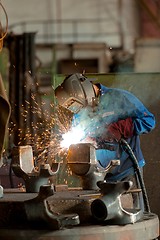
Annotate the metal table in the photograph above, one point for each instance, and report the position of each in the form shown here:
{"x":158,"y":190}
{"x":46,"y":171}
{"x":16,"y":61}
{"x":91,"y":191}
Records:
{"x":145,"y":229}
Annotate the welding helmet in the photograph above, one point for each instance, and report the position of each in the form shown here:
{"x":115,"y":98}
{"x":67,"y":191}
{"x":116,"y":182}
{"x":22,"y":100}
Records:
{"x":75,"y":93}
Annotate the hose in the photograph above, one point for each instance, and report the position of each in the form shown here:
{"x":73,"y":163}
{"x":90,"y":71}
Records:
{"x":137,"y":169}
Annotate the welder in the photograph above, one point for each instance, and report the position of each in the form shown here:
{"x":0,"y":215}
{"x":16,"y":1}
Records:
{"x":107,"y":115}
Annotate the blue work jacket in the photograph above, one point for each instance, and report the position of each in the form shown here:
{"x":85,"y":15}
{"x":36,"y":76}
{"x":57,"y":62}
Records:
{"x":116,"y":104}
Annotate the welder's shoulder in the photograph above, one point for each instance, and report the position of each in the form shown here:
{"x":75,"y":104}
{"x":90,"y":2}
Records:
{"x":117,"y":93}
{"x":123,"y":94}
{"x":105,"y":89}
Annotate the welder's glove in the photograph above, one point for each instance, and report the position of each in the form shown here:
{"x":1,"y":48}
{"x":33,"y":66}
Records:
{"x":120,"y":129}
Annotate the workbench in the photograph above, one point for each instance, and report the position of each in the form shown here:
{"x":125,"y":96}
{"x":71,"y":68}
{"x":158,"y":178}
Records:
{"x":13,"y":224}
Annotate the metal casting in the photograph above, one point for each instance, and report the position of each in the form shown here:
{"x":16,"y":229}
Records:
{"x":23,"y":166}
{"x":83,"y":163}
{"x":109,"y":208}
{"x":37,"y":212}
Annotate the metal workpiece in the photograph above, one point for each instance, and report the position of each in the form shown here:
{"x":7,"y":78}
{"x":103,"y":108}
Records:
{"x":23,"y":166}
{"x":46,"y":210}
{"x":112,"y":164}
{"x":38,"y":212}
{"x":82,"y":161}
{"x":108,"y":208}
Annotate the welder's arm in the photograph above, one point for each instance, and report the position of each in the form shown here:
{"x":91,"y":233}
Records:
{"x":129,"y":126}
{"x":122,"y":116}
{"x":144,"y":124}
{"x":120,"y":129}
{"x":130,"y":107}
{"x":114,"y":132}
{"x":143,"y":119}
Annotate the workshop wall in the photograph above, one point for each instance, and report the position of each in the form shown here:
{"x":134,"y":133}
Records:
{"x":92,"y":21}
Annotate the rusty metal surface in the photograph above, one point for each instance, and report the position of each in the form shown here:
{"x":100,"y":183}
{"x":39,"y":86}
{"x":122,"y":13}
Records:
{"x":13,"y":224}
{"x":64,"y":202}
{"x":82,"y":161}
{"x":147,"y":229}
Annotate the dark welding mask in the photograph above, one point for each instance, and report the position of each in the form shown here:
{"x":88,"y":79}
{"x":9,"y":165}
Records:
{"x":75,"y":93}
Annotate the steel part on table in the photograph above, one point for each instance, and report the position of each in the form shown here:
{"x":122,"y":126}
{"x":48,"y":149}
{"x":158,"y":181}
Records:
{"x":109,"y":207}
{"x":37,"y":211}
{"x":23,"y":166}
{"x":21,"y":209}
{"x":83,"y":163}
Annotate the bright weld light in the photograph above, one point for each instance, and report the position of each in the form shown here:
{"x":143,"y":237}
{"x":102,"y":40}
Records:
{"x":72,"y":137}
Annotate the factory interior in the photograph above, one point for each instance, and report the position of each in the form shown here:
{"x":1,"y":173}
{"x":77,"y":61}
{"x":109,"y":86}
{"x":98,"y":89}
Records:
{"x":48,"y":191}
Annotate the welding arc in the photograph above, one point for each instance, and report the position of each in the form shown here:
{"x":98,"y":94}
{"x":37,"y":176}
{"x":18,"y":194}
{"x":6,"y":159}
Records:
{"x":136,"y":167}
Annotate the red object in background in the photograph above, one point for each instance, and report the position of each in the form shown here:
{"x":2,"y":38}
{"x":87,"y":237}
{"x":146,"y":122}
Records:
{"x":150,"y":28}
